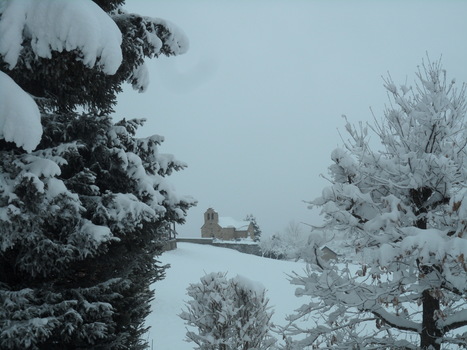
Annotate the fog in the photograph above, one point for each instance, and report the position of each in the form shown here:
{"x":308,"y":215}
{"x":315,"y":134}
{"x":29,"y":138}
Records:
{"x":255,"y":107}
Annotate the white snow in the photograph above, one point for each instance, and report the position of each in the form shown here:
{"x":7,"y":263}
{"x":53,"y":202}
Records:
{"x":176,"y":39}
{"x":189,"y":262}
{"x":20,"y":119}
{"x":455,"y":317}
{"x":99,"y":234}
{"x":56,"y":25}
{"x":41,"y":167}
{"x":127,"y":205}
{"x":56,"y":187}
{"x":247,"y":241}
{"x":140,"y":78}
{"x":428,"y":245}
{"x":227,"y":222}
{"x":249,"y":284}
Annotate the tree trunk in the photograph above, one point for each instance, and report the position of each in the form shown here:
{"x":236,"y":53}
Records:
{"x":430,"y":333}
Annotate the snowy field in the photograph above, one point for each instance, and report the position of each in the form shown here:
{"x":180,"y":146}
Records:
{"x":189,"y":262}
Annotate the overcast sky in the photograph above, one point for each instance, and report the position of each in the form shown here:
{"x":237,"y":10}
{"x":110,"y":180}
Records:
{"x":255,"y":105}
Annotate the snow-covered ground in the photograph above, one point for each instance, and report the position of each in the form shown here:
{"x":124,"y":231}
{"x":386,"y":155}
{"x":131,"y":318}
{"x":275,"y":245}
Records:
{"x":191,"y":261}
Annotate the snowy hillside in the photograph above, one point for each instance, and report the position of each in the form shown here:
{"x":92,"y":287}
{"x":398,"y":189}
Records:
{"x":191,"y":261}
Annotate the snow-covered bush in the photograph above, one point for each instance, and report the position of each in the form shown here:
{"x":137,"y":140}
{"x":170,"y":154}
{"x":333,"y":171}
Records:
{"x":404,"y":206}
{"x":229,"y":314}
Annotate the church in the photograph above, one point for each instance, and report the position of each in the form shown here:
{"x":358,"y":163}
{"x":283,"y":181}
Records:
{"x":225,"y":228}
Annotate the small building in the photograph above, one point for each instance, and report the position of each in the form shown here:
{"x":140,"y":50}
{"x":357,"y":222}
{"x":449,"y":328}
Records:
{"x":225,"y":228}
{"x":328,"y":254}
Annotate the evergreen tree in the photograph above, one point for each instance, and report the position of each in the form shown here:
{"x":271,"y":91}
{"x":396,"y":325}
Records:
{"x":403,"y":209}
{"x":81,"y":211}
{"x":256,"y":228}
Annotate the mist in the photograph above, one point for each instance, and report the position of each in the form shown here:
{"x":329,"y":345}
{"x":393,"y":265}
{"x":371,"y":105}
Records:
{"x":255,"y":107}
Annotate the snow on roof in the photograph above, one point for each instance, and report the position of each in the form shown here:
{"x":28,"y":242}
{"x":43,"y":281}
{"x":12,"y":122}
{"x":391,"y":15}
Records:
{"x":226,"y":222}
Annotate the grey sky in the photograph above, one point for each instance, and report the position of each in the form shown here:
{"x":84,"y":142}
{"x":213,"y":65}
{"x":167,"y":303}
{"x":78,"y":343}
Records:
{"x":255,"y":104}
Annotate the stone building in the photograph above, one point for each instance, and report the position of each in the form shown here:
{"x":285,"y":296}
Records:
{"x":225,"y":228}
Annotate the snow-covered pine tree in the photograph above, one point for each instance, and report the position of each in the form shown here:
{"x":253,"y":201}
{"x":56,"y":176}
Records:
{"x":81,"y":198}
{"x":403,"y":207}
{"x":228,"y":314}
{"x":256,"y":229}
{"x":92,"y":52}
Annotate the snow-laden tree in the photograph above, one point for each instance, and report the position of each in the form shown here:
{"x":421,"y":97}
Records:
{"x":256,"y":229}
{"x":92,"y":51}
{"x":403,"y":207}
{"x":228,"y":314}
{"x":82,"y":199}
{"x":287,"y":244}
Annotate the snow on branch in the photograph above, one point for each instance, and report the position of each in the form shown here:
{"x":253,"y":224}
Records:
{"x":149,"y":37}
{"x":456,"y":320}
{"x":55,"y":25}
{"x":398,"y":322}
{"x":159,"y":36}
{"x":20,"y":119}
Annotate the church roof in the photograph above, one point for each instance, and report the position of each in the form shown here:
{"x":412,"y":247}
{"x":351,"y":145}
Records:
{"x":227,"y":222}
